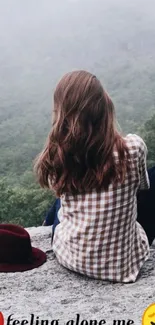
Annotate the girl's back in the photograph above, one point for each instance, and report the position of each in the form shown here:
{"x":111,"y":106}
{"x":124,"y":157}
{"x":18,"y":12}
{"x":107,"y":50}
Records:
{"x":98,"y":234}
{"x":96,"y":173}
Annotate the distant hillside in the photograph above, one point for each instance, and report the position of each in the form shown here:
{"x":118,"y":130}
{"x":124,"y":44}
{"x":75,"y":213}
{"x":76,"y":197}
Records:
{"x":42,"y":40}
{"x":113,"y":39}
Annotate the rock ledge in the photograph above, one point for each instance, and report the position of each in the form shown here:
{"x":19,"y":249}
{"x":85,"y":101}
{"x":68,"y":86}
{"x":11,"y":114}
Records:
{"x":51,"y":292}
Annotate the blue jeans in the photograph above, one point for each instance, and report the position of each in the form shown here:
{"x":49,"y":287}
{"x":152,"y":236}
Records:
{"x":145,"y":207}
{"x":52,"y":215}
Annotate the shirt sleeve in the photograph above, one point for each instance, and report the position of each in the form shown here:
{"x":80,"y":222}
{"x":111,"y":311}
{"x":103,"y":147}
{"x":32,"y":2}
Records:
{"x":144,"y":178}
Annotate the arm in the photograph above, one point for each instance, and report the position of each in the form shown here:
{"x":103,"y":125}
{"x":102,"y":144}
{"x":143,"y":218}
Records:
{"x":144,"y":178}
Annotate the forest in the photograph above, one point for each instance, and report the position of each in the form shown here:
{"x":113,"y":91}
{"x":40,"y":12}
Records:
{"x":114,"y":39}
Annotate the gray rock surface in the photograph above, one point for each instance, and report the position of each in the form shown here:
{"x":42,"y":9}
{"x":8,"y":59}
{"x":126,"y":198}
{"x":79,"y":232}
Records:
{"x":52,"y":292}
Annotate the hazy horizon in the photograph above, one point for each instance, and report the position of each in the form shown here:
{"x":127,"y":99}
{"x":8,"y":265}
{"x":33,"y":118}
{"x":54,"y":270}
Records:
{"x":42,"y":40}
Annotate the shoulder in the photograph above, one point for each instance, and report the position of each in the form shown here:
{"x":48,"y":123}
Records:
{"x":136,"y":143}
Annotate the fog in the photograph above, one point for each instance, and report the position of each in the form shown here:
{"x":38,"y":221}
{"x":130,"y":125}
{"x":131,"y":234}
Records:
{"x":41,"y":40}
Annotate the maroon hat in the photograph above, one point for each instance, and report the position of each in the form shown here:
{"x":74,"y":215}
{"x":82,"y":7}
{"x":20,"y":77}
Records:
{"x":16,"y":252}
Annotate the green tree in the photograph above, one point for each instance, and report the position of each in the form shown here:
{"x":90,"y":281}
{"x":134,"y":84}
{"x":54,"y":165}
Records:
{"x":24,"y":206}
{"x":149,"y":137}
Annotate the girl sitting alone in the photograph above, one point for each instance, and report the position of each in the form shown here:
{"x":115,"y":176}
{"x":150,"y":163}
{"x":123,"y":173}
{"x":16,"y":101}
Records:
{"x":97,"y":174}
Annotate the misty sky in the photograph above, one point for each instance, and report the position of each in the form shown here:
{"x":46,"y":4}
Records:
{"x":42,"y":39}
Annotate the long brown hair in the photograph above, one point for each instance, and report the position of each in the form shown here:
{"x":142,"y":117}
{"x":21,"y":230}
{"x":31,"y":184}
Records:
{"x":79,"y":154}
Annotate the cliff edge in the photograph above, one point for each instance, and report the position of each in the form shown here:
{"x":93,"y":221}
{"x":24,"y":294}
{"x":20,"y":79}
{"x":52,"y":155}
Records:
{"x":52,"y":292}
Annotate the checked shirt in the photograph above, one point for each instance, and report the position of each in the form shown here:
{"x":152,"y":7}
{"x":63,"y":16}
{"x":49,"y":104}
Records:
{"x":98,"y":234}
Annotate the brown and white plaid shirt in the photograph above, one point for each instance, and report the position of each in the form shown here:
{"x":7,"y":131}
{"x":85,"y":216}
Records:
{"x":98,"y":234}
